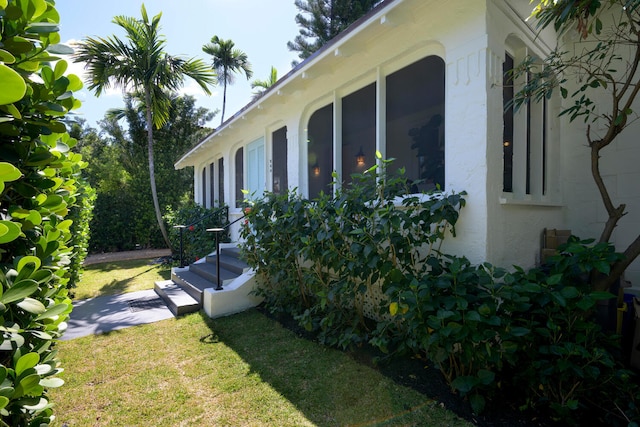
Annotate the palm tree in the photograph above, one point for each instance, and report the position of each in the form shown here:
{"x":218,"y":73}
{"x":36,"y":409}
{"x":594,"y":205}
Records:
{"x":139,"y":64}
{"x":227,"y":60}
{"x":264,"y":84}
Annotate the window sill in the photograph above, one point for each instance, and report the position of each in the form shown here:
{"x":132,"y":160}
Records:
{"x":528,"y":200}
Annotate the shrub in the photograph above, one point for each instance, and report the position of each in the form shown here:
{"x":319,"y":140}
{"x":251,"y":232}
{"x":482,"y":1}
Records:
{"x":319,"y":260}
{"x":196,"y":241}
{"x":566,"y":361}
{"x":38,"y":187}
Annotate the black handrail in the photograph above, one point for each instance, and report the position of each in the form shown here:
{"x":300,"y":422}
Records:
{"x":210,"y":214}
{"x":218,"y":230}
{"x":199,"y":220}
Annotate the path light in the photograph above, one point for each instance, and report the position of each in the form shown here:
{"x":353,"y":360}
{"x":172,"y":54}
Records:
{"x":217,"y":231}
{"x":181,"y":227}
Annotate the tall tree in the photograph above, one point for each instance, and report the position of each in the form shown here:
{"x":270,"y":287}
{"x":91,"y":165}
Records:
{"x":227,"y":60}
{"x":263,"y":85}
{"x":601,"y":78}
{"x":140,"y":64}
{"x":325,"y":19}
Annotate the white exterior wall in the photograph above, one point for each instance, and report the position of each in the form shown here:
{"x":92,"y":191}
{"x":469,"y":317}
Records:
{"x":620,"y":169}
{"x":517,"y":220}
{"x":470,"y":36}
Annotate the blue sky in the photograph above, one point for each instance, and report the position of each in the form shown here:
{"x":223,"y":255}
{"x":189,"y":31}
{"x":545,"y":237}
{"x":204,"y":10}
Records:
{"x":261,"y":28}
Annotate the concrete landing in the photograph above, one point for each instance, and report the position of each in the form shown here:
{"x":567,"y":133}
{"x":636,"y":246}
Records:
{"x":109,"y":313}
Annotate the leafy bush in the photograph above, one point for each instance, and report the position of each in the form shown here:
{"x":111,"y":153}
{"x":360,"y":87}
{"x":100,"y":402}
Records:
{"x":532,"y":331}
{"x":567,"y":361}
{"x":196,"y":241}
{"x":458,"y":315}
{"x":80,"y":214}
{"x":39,"y":184}
{"x":318,"y":259}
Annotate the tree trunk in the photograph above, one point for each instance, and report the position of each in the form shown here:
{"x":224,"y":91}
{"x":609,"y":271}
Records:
{"x":152,"y":173}
{"x":224,"y":102}
{"x":224,"y":94}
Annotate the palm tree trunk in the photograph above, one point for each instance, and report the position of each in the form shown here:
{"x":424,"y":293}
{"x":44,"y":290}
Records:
{"x":224,"y":101}
{"x":152,"y":173}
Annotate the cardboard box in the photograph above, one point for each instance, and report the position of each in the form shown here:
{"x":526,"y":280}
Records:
{"x":551,"y":239}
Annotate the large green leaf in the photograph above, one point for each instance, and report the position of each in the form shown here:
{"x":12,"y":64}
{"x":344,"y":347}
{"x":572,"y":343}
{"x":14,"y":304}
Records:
{"x":53,"y":311}
{"x":39,"y":405}
{"x":29,"y":386}
{"x":60,"y":49}
{"x":9,"y":231}
{"x":26,"y":361}
{"x":9,"y":172}
{"x":43,"y":28}
{"x":19,"y":291}
{"x":12,"y":85}
{"x":24,"y":261}
{"x":7,"y":57}
{"x":51,"y":382}
{"x":32,"y":306}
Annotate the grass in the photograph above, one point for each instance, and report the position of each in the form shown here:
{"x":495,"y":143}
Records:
{"x":112,"y":278}
{"x":241,"y":370}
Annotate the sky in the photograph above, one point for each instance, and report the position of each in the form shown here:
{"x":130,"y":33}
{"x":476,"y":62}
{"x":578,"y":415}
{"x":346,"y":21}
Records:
{"x":260,"y":28}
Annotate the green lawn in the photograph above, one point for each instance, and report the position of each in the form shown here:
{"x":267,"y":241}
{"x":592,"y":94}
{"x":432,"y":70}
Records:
{"x":241,"y":370}
{"x":111,"y":278}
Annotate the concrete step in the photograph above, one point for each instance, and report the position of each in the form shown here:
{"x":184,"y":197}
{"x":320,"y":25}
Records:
{"x":192,"y":283}
{"x":207,"y":270}
{"x":176,"y":298}
{"x":228,"y":262}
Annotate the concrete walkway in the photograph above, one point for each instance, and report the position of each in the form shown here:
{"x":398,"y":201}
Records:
{"x":109,"y":313}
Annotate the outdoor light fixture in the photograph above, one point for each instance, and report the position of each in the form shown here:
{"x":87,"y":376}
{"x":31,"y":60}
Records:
{"x":506,"y":143}
{"x":360,"y":157}
{"x":316,"y":170}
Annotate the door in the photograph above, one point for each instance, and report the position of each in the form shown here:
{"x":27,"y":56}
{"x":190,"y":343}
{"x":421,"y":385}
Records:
{"x":255,"y":168}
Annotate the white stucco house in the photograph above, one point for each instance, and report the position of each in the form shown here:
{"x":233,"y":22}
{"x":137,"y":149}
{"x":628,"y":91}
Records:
{"x":422,"y":81}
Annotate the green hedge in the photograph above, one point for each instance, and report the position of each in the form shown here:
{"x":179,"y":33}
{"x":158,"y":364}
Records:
{"x":40,"y":184}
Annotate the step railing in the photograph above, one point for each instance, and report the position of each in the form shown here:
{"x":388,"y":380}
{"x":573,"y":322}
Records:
{"x":223,"y":210}
{"x":217,"y":231}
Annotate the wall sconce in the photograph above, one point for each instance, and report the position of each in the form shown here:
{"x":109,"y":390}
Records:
{"x":506,"y":143}
{"x":360,"y":157}
{"x":316,"y":170}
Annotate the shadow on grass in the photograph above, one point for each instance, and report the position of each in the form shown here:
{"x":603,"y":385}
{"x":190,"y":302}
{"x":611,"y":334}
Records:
{"x":113,"y":286}
{"x":326,"y":385}
{"x":120,"y":286}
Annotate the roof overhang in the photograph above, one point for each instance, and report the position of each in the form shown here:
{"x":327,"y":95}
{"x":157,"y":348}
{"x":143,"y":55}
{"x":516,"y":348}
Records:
{"x":337,"y":47}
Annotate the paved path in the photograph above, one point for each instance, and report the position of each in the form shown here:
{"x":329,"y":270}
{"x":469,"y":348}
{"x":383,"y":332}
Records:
{"x":125,"y":255}
{"x":109,"y":313}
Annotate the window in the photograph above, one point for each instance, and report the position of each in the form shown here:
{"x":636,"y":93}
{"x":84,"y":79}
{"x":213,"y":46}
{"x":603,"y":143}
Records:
{"x":524,"y":131}
{"x":507,"y":132}
{"x":320,"y":150}
{"x":220,"y":181}
{"x":255,"y":168}
{"x":358,"y":131}
{"x":203,"y":202}
{"x":239,"y":161}
{"x":413,"y":107}
{"x":212,"y":185}
{"x":279,"y":140}
{"x":415,"y":122}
